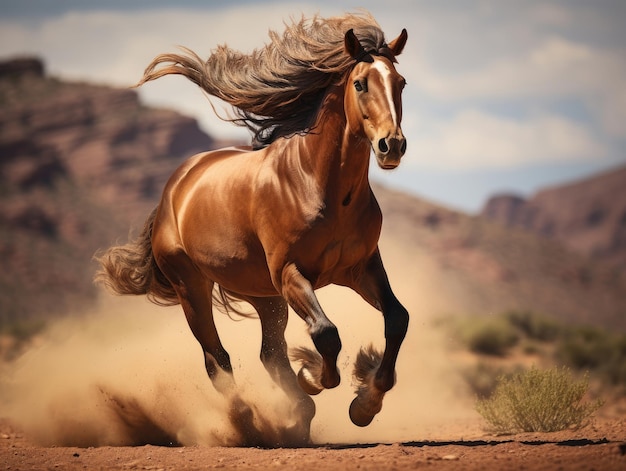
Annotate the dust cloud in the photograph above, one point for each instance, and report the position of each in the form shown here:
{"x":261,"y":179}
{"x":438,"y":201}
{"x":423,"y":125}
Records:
{"x":131,"y":373}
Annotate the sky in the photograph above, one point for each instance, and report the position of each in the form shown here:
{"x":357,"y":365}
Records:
{"x":503,"y":96}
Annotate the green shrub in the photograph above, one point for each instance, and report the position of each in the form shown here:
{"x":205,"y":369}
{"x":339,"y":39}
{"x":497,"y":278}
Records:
{"x":489,"y":336}
{"x":592,"y":348}
{"x":616,"y":366}
{"x":537,"y":401}
{"x":535,"y":326}
{"x":584,"y":347}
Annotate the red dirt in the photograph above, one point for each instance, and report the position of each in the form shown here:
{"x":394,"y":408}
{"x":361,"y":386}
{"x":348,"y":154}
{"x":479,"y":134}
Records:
{"x":601,"y":446}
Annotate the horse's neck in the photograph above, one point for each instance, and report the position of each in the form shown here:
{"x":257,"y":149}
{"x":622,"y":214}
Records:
{"x":338,"y":157}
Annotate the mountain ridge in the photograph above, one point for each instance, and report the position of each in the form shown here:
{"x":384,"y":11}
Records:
{"x":81,"y":163}
{"x":587,"y":215}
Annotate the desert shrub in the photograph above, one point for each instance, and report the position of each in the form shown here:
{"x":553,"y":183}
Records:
{"x":595,"y":349}
{"x":616,"y":366}
{"x":584,"y":347}
{"x":489,"y":336}
{"x":535,"y":326}
{"x":538,"y":401}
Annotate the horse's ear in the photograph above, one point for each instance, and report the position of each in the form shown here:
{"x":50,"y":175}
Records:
{"x":397,"y":45}
{"x":354,"y":47}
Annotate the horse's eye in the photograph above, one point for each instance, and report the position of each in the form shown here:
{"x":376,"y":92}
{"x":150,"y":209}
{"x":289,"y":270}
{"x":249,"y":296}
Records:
{"x":360,"y":86}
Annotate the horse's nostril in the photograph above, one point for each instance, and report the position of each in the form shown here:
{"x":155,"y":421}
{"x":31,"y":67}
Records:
{"x":403,"y":146}
{"x":382,"y":146}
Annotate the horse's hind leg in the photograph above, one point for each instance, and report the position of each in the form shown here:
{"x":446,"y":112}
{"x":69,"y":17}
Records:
{"x":273,"y":313}
{"x":195,"y":295}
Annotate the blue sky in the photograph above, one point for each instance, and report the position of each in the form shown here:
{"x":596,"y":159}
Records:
{"x":502,"y":95}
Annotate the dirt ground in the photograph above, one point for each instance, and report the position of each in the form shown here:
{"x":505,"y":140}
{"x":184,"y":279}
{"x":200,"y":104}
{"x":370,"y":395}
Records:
{"x":600,"y":446}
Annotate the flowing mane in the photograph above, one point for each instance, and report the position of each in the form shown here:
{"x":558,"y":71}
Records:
{"x":277,"y":90}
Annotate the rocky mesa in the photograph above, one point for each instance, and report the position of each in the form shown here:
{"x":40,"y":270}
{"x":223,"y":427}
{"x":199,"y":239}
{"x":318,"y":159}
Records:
{"x":588,"y":216}
{"x":79,"y":164}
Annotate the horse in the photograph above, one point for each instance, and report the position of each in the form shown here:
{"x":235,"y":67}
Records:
{"x":270,"y":223}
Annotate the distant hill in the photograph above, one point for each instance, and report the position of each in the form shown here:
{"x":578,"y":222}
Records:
{"x":588,"y":216}
{"x":471,"y":265}
{"x":99,"y":137}
{"x":80,"y":164}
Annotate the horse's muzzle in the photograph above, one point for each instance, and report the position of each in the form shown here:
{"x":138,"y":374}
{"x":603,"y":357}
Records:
{"x":389,"y":151}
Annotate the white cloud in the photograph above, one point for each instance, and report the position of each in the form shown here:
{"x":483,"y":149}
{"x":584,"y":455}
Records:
{"x":116,"y":46}
{"x":558,"y":67}
{"x":554,"y":68}
{"x":475,"y":139}
{"x":463,"y":61}
{"x":612,"y":112}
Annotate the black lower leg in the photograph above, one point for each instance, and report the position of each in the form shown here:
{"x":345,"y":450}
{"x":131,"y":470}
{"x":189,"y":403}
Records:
{"x":328,"y":344}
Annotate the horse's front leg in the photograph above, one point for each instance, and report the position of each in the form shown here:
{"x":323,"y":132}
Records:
{"x":376,"y":375}
{"x":316,"y":373}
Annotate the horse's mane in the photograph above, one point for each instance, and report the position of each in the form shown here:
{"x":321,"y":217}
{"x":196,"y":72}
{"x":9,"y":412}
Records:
{"x":276,"y":90}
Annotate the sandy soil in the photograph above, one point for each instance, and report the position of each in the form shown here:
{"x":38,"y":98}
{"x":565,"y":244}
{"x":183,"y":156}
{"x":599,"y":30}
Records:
{"x":102,"y":389}
{"x":598,"y":447}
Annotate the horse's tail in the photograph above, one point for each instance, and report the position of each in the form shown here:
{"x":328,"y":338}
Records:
{"x":131,"y":269}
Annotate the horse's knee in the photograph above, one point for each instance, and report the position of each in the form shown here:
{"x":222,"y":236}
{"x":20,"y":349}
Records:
{"x":328,"y":344}
{"x":326,"y":340}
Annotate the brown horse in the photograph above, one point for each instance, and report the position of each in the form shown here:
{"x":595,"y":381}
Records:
{"x":271,"y":224}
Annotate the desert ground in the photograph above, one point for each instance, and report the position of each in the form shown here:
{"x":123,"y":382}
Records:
{"x":123,"y":386}
{"x":600,"y":447}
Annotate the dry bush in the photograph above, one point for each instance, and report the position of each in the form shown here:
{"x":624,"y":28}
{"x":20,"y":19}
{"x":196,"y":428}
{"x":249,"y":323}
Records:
{"x":595,"y":349}
{"x":493,"y":336}
{"x":535,"y":326}
{"x":538,"y":401}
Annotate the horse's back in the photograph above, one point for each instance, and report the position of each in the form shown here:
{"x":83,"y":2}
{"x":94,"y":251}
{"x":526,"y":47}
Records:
{"x":206,"y":171}
{"x":204,"y":216}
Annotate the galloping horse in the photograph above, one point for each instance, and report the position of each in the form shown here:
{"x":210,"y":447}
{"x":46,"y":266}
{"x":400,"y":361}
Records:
{"x":271,"y":223}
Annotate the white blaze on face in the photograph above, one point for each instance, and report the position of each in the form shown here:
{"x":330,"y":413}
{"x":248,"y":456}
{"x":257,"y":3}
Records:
{"x":385,"y":73}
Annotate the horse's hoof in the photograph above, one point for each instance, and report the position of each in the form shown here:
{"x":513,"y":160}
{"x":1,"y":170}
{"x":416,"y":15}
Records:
{"x":307,"y":383}
{"x":358,"y":415}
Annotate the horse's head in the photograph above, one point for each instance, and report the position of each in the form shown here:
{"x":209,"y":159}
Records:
{"x":374,"y":98}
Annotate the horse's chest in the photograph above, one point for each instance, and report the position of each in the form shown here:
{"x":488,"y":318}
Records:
{"x":340,"y":248}
{"x":343,"y":253}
